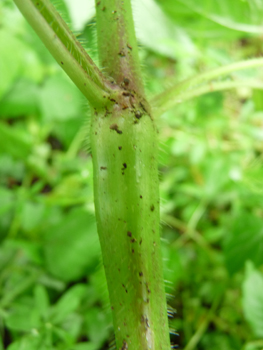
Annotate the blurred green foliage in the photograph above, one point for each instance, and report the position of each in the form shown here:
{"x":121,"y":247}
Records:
{"x":52,"y":286}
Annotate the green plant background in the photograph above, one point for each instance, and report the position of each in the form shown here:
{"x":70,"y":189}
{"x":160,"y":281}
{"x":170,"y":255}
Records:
{"x":52,"y":286}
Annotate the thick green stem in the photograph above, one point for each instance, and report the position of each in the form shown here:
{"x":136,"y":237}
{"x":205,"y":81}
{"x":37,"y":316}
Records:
{"x":67,"y":51}
{"x":124,"y":151}
{"x":126,"y":189}
{"x":117,"y":43}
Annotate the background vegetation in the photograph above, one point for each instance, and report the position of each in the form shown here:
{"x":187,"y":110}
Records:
{"x":52,"y":286}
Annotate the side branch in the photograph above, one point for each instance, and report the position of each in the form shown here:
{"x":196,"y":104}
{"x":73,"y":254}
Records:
{"x":203,"y":83}
{"x":213,"y":87}
{"x":65,"y":48}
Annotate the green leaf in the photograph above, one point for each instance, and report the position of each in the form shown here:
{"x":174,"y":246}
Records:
{"x":244,"y":242}
{"x":81,"y":12}
{"x":97,"y":322}
{"x":23,"y":316}
{"x":10,"y":63}
{"x":41,"y":300}
{"x":245,"y":16}
{"x":32,"y":215}
{"x":68,"y":303}
{"x":85,"y":346}
{"x":7,"y":200}
{"x":253,"y":299}
{"x":169,"y":40}
{"x":15,"y":142}
{"x":22,"y":100}
{"x":11,"y":171}
{"x":32,"y":342}
{"x":72,"y":246}
{"x":60,"y":99}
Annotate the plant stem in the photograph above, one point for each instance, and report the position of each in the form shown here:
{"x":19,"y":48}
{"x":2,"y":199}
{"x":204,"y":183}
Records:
{"x":117,"y":43}
{"x":124,"y":154}
{"x":65,"y":48}
{"x":169,"y":98}
{"x":126,"y":190}
{"x":213,"y":87}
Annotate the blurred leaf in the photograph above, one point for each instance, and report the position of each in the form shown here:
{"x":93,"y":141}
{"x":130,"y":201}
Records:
{"x":6,"y":211}
{"x":169,"y":39}
{"x":244,"y":241}
{"x":41,"y":300}
{"x":96,"y":323}
{"x":253,"y":299}
{"x":31,"y":216}
{"x":85,"y":346}
{"x":23,"y":316}
{"x":239,"y":15}
{"x":7,"y":198}
{"x":10,"y":63}
{"x":22,"y":100}
{"x":11,"y":171}
{"x":60,"y":99}
{"x":72,"y":246}
{"x":15,"y":142}
{"x":68,"y":303}
{"x":33,"y":342}
{"x":81,"y":12}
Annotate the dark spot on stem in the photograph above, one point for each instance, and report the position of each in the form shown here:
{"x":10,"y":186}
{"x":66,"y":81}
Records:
{"x":126,"y":94}
{"x":140,"y":274}
{"x":129,"y":46}
{"x":124,"y":288}
{"x":112,"y":307}
{"x":98,"y":3}
{"x":152,"y":207}
{"x":133,"y":240}
{"x":104,"y":8}
{"x":124,"y":165}
{"x":132,"y":251}
{"x":121,"y":53}
{"x":103,"y":168}
{"x":140,"y":241}
{"x":126,"y":81}
{"x":116,"y":128}
{"x":138,"y":114}
{"x":129,"y":234}
{"x":62,"y":62}
{"x":120,"y":148}
{"x":140,"y":196}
